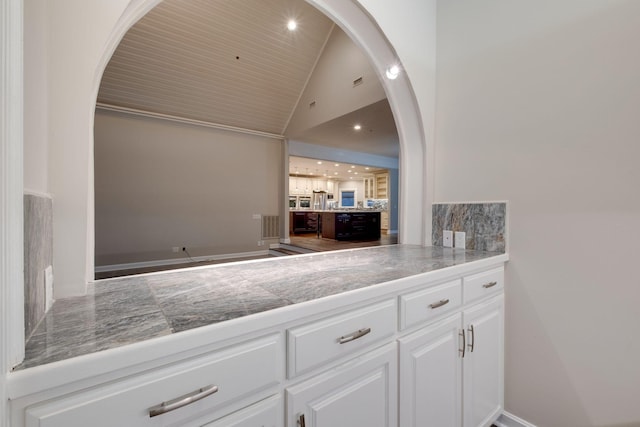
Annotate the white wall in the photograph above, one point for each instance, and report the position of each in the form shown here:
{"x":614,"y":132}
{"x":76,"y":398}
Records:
{"x":36,"y":130}
{"x":161,"y":184}
{"x":77,"y":32}
{"x":537,"y":103}
{"x":331,"y":85}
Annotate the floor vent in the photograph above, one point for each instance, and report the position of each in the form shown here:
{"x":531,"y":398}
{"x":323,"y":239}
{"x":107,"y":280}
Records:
{"x":270,"y":226}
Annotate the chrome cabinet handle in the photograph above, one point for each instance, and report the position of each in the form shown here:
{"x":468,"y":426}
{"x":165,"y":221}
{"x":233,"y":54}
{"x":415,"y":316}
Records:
{"x":464,"y":342}
{"x":301,"y":420}
{"x":181,"y":401}
{"x":489,"y":285}
{"x":354,"y":336}
{"x":439,"y":303}
{"x":473,"y":338}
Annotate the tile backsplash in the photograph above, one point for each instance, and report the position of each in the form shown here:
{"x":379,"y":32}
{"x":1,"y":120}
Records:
{"x":38,"y":255}
{"x":485,"y":224}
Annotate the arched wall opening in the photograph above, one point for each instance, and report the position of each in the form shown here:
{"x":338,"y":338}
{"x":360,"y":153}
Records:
{"x":413,"y":212}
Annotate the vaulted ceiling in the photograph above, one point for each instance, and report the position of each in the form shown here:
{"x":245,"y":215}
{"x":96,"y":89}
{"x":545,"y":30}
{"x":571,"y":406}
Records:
{"x":233,"y":63}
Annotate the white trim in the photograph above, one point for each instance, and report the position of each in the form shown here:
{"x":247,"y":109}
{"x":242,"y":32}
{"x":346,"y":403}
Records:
{"x":510,"y":420}
{"x":183,"y":120}
{"x":11,"y":196}
{"x":163,"y":262}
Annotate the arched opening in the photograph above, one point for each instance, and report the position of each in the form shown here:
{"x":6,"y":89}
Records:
{"x":357,"y":24}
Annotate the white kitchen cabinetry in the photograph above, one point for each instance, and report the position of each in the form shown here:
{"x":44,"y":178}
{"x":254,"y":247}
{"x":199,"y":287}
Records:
{"x":359,"y":392}
{"x":431,"y":376}
{"x":267,"y":413}
{"x":319,"y":342}
{"x":451,"y":371}
{"x":483,"y":367}
{"x":425,"y":350}
{"x":190,"y":393}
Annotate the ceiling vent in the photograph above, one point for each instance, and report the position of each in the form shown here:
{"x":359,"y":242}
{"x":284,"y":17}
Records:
{"x":357,"y":82}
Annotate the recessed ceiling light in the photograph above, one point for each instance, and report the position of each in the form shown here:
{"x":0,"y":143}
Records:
{"x":367,"y":168}
{"x":357,"y":127}
{"x":349,"y":171}
{"x":355,"y":173}
{"x":335,"y":173}
{"x":292,"y":25}
{"x":393,"y":72}
{"x":319,"y":162}
{"x":353,"y":167}
{"x":337,"y":164}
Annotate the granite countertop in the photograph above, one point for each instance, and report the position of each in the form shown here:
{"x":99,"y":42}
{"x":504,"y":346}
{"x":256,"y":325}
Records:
{"x":131,"y":309}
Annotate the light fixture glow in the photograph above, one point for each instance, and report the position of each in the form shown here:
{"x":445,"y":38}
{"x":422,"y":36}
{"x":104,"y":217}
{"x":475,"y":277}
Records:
{"x":319,"y":162}
{"x":337,"y":164}
{"x":357,"y":127}
{"x":292,"y":25}
{"x":393,"y":72}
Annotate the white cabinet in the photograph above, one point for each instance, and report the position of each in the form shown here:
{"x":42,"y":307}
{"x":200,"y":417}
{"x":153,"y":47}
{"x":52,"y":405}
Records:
{"x":411,"y":353}
{"x":483,"y":363}
{"x":360,"y":392}
{"x":185,"y":394}
{"x":317,"y":343}
{"x":267,"y":413}
{"x":451,"y":371}
{"x":431,"y":375}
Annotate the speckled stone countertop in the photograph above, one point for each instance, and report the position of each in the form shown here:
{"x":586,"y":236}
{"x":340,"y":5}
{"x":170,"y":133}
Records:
{"x":126,"y":310}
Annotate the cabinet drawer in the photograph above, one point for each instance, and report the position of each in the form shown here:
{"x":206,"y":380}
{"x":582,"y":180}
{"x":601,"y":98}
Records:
{"x":316,"y":343}
{"x":481,"y":284}
{"x":237,"y":372}
{"x":264,"y":414}
{"x":427,"y":304}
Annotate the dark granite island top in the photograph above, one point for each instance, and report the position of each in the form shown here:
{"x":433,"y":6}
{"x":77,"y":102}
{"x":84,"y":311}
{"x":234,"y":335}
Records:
{"x":122,"y":311}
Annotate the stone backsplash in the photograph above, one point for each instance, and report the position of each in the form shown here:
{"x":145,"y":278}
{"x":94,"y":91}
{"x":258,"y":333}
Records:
{"x":38,"y":255}
{"x":485,"y":224}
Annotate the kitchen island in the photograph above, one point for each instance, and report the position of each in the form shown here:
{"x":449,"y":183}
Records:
{"x":337,"y":224}
{"x":231,"y":329}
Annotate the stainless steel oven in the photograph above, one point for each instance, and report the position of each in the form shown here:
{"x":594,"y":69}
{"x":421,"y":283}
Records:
{"x":304,"y":202}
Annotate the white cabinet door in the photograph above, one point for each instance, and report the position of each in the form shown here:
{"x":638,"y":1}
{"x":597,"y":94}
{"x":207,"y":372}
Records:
{"x":483,"y":367}
{"x":360,"y":392}
{"x":431,"y":375}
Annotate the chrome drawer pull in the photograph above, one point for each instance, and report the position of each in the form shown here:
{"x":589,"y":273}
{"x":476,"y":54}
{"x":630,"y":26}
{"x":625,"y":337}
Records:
{"x":354,"y":336}
{"x":301,"y":422}
{"x":472,"y":344}
{"x":181,"y":401}
{"x":489,"y":285}
{"x":439,"y":303}
{"x":464,"y":342}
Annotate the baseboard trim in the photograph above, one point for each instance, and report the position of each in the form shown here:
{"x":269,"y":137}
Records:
{"x":510,"y":420}
{"x":163,"y":262}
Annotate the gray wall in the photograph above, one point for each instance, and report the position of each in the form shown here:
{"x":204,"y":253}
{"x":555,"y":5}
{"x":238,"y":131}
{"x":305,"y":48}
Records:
{"x":538,"y":104}
{"x":160,"y":184}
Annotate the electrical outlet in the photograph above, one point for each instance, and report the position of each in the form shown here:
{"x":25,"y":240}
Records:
{"x":256,"y":216}
{"x":176,"y":249}
{"x":447,"y":238}
{"x":460,"y":240}
{"x":260,"y":242}
{"x":48,"y":288}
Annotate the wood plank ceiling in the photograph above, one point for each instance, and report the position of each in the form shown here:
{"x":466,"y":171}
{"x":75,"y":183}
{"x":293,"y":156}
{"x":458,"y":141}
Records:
{"x":228,"y":62}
